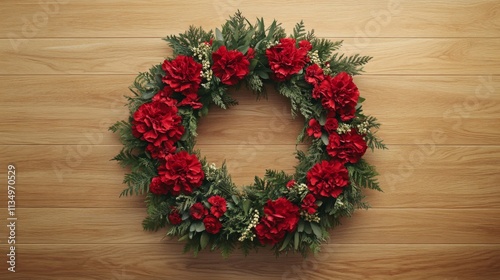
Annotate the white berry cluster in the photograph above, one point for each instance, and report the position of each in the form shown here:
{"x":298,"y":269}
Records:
{"x":343,"y":128}
{"x":310,"y":217}
{"x":203,"y":52}
{"x":211,"y":171}
{"x":270,"y":44}
{"x":248,"y":234}
{"x":314,"y":58}
{"x":363,"y":127}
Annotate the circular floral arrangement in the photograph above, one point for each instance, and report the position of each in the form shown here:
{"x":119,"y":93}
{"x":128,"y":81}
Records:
{"x":197,"y":200}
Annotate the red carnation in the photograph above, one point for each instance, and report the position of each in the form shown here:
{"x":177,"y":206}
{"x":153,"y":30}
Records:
{"x":229,"y":66}
{"x":157,"y":187}
{"x":219,"y":206}
{"x":162,"y":151}
{"x":314,"y":128}
{"x":191,"y":100}
{"x":285,"y":59}
{"x":327,"y":178}
{"x":182,"y":74}
{"x":165,"y":96}
{"x":304,"y":44}
{"x":309,"y":204}
{"x":347,"y":147}
{"x":250,"y":54}
{"x":212,"y":224}
{"x":290,"y":184}
{"x":346,"y":96}
{"x":157,"y":122}
{"x":280,"y":216}
{"x":338,"y":94}
{"x":331,"y":125}
{"x":198,"y":211}
{"x":314,"y":74}
{"x":181,"y":173}
{"x":174,"y":217}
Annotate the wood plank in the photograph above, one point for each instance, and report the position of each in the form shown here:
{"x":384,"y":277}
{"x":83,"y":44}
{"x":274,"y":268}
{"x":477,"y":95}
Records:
{"x":393,"y":226}
{"x":443,"y":177}
{"x":422,"y":56}
{"x":328,"y":18}
{"x":465,"y":109}
{"x":336,"y":261}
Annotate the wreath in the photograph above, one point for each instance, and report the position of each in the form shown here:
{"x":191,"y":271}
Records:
{"x":197,"y":200}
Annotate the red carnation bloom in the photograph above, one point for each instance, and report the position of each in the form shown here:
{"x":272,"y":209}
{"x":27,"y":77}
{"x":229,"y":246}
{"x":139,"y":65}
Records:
{"x":191,"y":100}
{"x":327,"y":178}
{"x":229,"y":66}
{"x":198,"y":211}
{"x":157,"y":122}
{"x":346,"y":96}
{"x":304,"y":44}
{"x":331,"y":125}
{"x":219,"y":206}
{"x":285,"y":59}
{"x":314,"y":128}
{"x":309,"y":204}
{"x":280,"y":216}
{"x":165,"y":96}
{"x":162,"y":151}
{"x":174,"y":217}
{"x":181,"y":173}
{"x":290,"y":184}
{"x":338,"y":94}
{"x":212,"y":224}
{"x":157,"y":187}
{"x":314,"y":74}
{"x":347,"y":147}
{"x":250,"y":54}
{"x":182,"y":74}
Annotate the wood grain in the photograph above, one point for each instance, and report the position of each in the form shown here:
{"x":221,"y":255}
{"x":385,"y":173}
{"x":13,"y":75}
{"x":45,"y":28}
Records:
{"x":336,"y":261}
{"x":365,"y":18}
{"x":463,"y":108}
{"x":393,"y":226}
{"x":408,"y":181}
{"x":423,"y":56}
{"x":433,"y":83}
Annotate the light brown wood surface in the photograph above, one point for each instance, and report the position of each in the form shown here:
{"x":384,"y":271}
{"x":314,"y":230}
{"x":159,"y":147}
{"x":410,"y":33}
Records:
{"x":434,"y":84}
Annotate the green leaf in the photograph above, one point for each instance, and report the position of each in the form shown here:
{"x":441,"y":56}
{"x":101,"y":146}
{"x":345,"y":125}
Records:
{"x":317,"y":230}
{"x":246,"y":206}
{"x":204,"y":240}
{"x":324,"y":138}
{"x":264,"y":75}
{"x":286,"y":241}
{"x":218,"y":35}
{"x":300,"y":227}
{"x":296,"y":240}
{"x":322,"y":119}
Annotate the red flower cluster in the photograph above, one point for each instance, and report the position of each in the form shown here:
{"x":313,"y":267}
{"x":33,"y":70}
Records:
{"x":347,"y":147}
{"x":219,"y":206}
{"x":309,"y":204}
{"x":174,"y":217}
{"x":211,"y":221}
{"x":280,"y":216}
{"x":230,"y":66}
{"x":285,"y":59}
{"x":327,"y":179}
{"x":338,"y":94}
{"x":158,"y":124}
{"x":182,"y":74}
{"x":181,"y":173}
{"x":314,"y":128}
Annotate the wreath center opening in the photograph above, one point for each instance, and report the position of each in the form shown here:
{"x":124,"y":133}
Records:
{"x":255,"y":135}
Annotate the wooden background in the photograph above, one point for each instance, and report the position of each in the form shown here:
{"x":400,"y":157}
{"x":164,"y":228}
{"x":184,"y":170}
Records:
{"x":433,"y":83}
